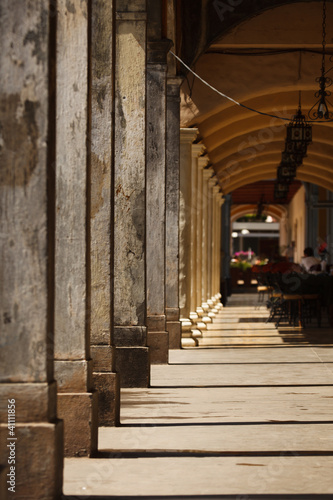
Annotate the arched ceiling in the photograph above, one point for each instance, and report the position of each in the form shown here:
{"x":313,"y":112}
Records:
{"x":263,"y":63}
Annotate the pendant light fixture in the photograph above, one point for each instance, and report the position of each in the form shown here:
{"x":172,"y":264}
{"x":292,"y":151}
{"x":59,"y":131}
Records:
{"x":319,"y":110}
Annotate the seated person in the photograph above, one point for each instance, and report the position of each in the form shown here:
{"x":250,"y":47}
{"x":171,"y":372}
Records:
{"x":309,"y":262}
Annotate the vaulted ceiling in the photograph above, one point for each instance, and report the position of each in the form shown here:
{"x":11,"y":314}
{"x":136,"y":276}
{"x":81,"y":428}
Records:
{"x":263,"y":63}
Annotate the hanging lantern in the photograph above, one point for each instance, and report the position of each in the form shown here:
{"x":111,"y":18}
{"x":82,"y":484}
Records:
{"x":286,"y":173}
{"x":295,"y":158}
{"x":298,"y":130}
{"x":281,"y":190}
{"x":296,"y":147}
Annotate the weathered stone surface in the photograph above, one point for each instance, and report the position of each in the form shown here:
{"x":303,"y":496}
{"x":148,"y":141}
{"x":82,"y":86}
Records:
{"x":101,"y":163}
{"x":38,"y":457}
{"x":159,"y":347}
{"x":23,"y":194}
{"x":187,"y":136}
{"x":174,"y":330}
{"x":103,"y":358}
{"x":73,"y":376}
{"x":108,"y":388}
{"x":71,"y":181}
{"x":80,"y":415}
{"x":197,"y":151}
{"x":172,"y":212}
{"x":133,"y":365}
{"x":33,"y":402}
{"x":76,"y":404}
{"x":155,"y":198}
{"x":129,"y":223}
{"x":129,"y":306}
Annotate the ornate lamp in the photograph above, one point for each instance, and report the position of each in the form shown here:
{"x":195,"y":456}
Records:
{"x":286,"y":172}
{"x":320,"y":109}
{"x":281,"y":190}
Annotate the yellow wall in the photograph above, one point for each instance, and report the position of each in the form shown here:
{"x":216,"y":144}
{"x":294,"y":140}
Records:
{"x":297,"y":212}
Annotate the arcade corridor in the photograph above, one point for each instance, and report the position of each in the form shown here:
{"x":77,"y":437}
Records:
{"x":247,"y":413}
{"x":136,"y":139}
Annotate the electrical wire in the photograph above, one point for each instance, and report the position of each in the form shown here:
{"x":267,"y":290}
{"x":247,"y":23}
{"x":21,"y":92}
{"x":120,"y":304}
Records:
{"x":236,"y":102}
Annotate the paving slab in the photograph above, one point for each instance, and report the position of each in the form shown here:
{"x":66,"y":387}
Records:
{"x":249,"y":421}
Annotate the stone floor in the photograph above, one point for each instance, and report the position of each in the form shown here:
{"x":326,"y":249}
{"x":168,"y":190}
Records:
{"x":248,"y":414}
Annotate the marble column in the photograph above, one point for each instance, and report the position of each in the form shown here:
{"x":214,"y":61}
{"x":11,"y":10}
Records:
{"x":158,"y":337}
{"x":187,"y":136}
{"x":106,"y":381}
{"x":27,"y":155}
{"x":129,"y":314}
{"x":172,"y":310}
{"x":202,"y":163}
{"x":77,"y":401}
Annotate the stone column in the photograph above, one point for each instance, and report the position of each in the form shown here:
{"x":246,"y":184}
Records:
{"x":130,"y":331}
{"x":210,"y":238}
{"x":172,"y":214}
{"x":202,"y":163}
{"x":77,"y":400}
{"x":217,"y":249}
{"x":105,"y":379}
{"x":187,"y":137}
{"x":219,"y":256}
{"x":158,"y":337}
{"x":27,"y":115}
{"x":207,"y":173}
{"x":226,"y":243}
{"x":197,"y":151}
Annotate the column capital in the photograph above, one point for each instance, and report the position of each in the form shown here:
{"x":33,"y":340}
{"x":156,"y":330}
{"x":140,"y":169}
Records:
{"x":157,"y":51}
{"x":203,"y":161}
{"x":187,"y":135}
{"x":207,"y":173}
{"x":198,"y":150}
{"x":216,"y":190}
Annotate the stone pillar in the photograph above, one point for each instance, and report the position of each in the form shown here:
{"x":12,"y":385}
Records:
{"x":187,"y":137}
{"x":207,"y":173}
{"x":217,"y":249}
{"x":197,"y":151}
{"x":130,"y":331}
{"x":226,"y":243}
{"x":77,"y":400}
{"x":210,"y":238}
{"x":106,"y":381}
{"x":172,"y":214}
{"x":219,"y":229}
{"x":27,"y":155}
{"x":158,"y":337}
{"x":202,"y":163}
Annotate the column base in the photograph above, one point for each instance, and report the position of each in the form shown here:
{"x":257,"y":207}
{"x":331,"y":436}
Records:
{"x":158,"y":343}
{"x":108,"y":387}
{"x":80,"y":414}
{"x":38,"y":460}
{"x":175,"y":334}
{"x":133,"y":366}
